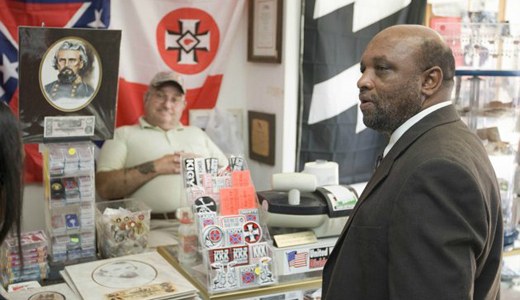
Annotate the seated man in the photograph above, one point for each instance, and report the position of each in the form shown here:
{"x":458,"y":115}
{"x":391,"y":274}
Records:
{"x":143,"y":161}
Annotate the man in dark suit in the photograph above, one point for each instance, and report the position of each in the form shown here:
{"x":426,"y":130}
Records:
{"x":428,"y":224}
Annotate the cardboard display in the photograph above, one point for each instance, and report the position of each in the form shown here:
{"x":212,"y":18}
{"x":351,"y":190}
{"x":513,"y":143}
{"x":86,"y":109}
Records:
{"x":62,"y":98}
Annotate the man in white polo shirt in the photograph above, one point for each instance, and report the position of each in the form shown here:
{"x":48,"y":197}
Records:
{"x":143,"y":161}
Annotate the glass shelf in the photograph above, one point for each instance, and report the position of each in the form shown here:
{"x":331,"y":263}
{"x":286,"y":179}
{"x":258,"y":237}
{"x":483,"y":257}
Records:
{"x":495,"y":73}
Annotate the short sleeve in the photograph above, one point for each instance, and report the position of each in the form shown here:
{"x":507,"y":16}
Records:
{"x":113,"y":153}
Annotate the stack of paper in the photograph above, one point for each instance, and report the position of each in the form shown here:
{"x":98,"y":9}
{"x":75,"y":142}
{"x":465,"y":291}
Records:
{"x":144,"y":276}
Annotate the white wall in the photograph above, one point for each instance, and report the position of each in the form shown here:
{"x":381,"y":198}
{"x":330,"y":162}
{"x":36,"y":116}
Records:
{"x":264,"y":87}
{"x":273,"y":88}
{"x":33,"y":217}
{"x":269,"y":88}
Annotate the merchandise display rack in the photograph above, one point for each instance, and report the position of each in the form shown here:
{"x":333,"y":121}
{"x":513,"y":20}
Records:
{"x":234,"y":243}
{"x":69,"y":201}
{"x":487,"y":96}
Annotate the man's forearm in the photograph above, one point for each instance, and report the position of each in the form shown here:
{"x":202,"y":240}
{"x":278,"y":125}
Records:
{"x":121,"y":183}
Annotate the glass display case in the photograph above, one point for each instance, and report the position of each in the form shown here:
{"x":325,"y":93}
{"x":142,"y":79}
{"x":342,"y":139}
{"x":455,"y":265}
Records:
{"x":488,"y":101}
{"x":486,"y":94}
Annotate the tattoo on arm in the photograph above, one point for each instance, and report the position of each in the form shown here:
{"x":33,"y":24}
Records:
{"x":146,"y":168}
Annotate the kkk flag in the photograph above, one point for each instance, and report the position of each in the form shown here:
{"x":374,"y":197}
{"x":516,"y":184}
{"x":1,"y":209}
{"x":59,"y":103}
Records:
{"x":50,"y":13}
{"x":189,"y":37}
{"x":335,"y":35}
{"x":192,"y":38}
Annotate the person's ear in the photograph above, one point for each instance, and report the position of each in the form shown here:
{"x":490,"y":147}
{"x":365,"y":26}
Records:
{"x":431,"y":80}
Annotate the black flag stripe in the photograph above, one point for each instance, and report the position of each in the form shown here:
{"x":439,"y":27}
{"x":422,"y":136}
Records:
{"x":329,"y":48}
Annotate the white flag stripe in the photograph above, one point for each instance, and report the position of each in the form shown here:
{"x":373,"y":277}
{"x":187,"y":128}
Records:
{"x":6,"y":33}
{"x":140,"y":57}
{"x":365,"y":14}
{"x":360,"y":126}
{"x":324,"y":7}
{"x":77,"y":15}
{"x":334,"y":96}
{"x":234,"y":19}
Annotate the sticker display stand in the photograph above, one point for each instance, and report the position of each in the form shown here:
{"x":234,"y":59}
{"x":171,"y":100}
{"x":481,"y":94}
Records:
{"x":68,"y":176}
{"x":234,"y":243}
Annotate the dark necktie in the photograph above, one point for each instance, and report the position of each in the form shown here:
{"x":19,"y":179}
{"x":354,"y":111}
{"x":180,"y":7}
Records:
{"x":378,"y":161}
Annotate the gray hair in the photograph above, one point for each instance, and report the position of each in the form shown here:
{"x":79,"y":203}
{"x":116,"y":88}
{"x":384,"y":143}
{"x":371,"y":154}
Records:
{"x":71,"y":45}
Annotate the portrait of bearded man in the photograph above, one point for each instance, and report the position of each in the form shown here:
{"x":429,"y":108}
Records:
{"x":72,"y":63}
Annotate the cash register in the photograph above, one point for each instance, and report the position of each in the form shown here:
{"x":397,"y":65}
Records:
{"x":305,"y":213}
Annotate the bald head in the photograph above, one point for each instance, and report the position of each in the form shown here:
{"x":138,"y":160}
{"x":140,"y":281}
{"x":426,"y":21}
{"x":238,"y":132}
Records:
{"x":409,"y":30}
{"x":429,"y":47}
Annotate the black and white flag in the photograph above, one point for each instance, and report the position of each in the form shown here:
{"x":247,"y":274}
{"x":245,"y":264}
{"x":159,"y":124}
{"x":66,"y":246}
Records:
{"x":335,"y":34}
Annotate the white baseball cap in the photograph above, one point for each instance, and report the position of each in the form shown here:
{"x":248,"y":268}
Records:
{"x":168,"y":77}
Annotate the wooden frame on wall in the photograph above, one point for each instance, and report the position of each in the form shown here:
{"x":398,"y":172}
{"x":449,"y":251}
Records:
{"x":261,"y":136}
{"x":264,"y":43}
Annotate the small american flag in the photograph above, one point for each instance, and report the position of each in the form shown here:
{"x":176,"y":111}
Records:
{"x":297,"y":260}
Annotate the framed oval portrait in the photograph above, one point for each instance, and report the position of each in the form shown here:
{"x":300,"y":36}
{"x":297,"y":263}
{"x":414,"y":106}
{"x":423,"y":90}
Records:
{"x":70,"y":74}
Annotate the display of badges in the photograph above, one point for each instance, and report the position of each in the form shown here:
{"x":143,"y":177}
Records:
{"x":213,"y":236}
{"x":205,"y":204}
{"x":235,"y":243}
{"x":252,"y":232}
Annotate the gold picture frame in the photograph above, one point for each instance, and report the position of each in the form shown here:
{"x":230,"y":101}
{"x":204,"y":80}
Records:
{"x":261,"y":136}
{"x":264,"y":43}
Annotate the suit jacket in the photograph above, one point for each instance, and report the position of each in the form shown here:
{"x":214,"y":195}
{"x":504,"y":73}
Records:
{"x":428,"y":225}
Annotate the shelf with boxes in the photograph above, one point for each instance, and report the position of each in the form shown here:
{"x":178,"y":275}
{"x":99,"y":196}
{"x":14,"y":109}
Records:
{"x":70,"y":199}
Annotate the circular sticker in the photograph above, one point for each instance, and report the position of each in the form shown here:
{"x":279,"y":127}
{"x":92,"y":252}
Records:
{"x":213,"y":236}
{"x":57,"y":186}
{"x":72,"y":151}
{"x":205,"y":204}
{"x":252,"y":232}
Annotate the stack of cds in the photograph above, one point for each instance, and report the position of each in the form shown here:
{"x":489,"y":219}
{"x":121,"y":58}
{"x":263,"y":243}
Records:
{"x":34,"y":258}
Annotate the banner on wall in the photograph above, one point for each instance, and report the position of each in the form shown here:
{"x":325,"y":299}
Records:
{"x":190,"y":37}
{"x":335,"y":35}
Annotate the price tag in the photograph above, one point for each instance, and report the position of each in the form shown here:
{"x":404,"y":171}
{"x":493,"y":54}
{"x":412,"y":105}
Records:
{"x":294,"y":239}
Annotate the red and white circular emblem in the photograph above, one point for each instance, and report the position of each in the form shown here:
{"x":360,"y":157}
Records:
{"x":213,"y":236}
{"x":252,"y":232}
{"x":188,"y":40}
